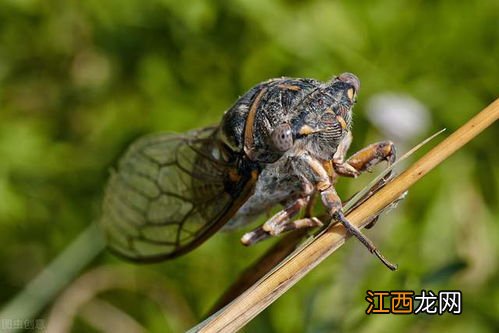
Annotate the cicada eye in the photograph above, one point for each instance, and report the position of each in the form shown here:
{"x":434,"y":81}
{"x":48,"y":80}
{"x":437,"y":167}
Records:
{"x":282,"y":137}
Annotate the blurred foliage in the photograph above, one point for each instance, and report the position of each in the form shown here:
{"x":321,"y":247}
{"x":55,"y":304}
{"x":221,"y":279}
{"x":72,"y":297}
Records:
{"x":79,"y":80}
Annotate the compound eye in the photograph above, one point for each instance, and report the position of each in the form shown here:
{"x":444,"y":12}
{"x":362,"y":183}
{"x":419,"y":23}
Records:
{"x":282,"y":137}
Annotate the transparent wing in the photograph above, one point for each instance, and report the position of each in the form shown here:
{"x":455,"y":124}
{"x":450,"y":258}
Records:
{"x":170,"y":193}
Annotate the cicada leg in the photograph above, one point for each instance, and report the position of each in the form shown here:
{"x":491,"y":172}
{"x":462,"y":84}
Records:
{"x":310,"y":205}
{"x":333,"y":204}
{"x":254,"y":236}
{"x":364,"y":160}
{"x":275,"y":225}
{"x":306,"y":222}
{"x":340,"y":166}
{"x":260,"y":234}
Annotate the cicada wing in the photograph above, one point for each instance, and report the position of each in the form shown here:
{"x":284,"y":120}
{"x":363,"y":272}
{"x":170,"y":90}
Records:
{"x":169,"y":194}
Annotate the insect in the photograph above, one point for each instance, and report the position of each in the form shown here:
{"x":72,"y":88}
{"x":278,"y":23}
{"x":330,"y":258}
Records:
{"x":282,"y":143}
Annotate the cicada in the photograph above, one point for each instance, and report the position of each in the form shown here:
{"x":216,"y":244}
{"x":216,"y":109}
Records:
{"x":282,"y":143}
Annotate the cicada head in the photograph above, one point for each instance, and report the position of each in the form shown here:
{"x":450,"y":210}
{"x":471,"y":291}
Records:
{"x":325,"y":116}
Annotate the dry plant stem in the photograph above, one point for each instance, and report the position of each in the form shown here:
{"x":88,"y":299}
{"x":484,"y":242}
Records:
{"x":259,"y":296}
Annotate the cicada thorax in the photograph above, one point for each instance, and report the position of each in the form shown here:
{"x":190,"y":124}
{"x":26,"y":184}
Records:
{"x":250,"y":125}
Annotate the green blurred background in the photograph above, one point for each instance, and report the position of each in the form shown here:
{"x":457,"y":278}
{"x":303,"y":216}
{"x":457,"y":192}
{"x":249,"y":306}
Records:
{"x":79,"y":80}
